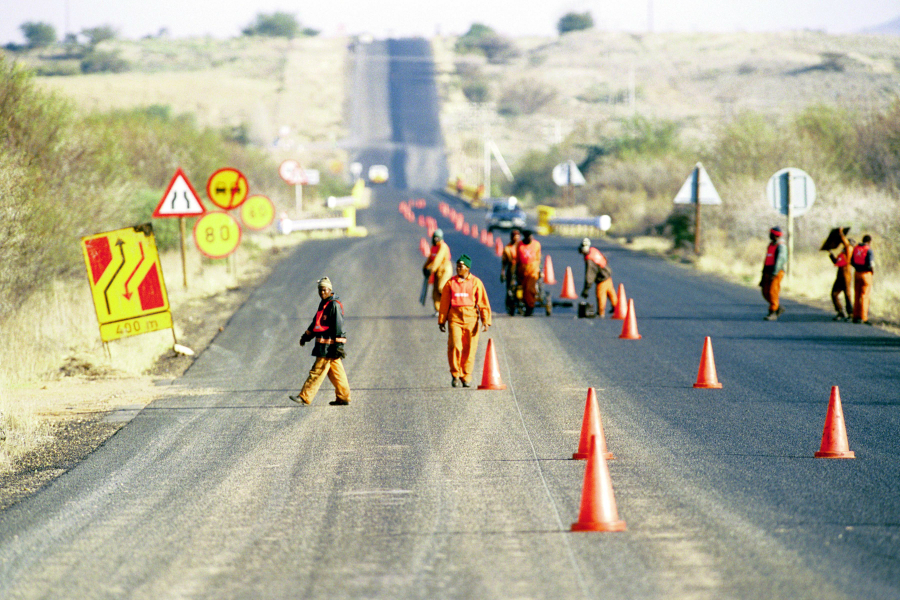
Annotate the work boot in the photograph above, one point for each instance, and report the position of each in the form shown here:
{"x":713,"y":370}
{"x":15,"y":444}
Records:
{"x":455,"y":382}
{"x":298,"y":399}
{"x":339,"y":402}
{"x":467,"y":384}
{"x":841,"y":316}
{"x":772,"y":316}
{"x":780,"y":310}
{"x":529,"y":310}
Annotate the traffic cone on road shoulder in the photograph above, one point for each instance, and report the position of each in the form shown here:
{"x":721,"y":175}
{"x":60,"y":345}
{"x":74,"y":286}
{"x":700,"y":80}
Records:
{"x":629,"y":327}
{"x":834,"y":435}
{"x":498,"y":248}
{"x":490,"y":377}
{"x":621,"y":304}
{"x":706,"y":374}
{"x":568,"y":286}
{"x":591,"y":426}
{"x":598,"y":504}
{"x":549,"y":275}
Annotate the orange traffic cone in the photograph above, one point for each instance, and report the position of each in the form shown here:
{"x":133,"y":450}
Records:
{"x":498,"y":247}
{"x":629,"y":327}
{"x":466,"y":229}
{"x":475,"y":231}
{"x":549,"y":276}
{"x":490,"y":378}
{"x":568,"y":286}
{"x":706,"y":374}
{"x":621,"y":304}
{"x":834,"y":435}
{"x":591,"y":427}
{"x":598,"y":504}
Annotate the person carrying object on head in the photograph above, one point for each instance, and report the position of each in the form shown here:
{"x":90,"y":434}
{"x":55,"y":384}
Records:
{"x":464,"y":302}
{"x":773,"y":273}
{"x":597,"y":274}
{"x":438,"y":263}
{"x":842,"y":278}
{"x":327,"y":329}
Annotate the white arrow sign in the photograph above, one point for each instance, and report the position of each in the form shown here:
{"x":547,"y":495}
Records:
{"x":567,"y":173}
{"x":688,"y":192}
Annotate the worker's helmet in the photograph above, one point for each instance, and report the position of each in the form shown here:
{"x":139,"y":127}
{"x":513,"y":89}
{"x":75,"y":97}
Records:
{"x":438,"y":234}
{"x":585,"y":245}
{"x":324,"y":284}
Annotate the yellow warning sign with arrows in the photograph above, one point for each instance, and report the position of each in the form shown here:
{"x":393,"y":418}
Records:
{"x":126,"y":282}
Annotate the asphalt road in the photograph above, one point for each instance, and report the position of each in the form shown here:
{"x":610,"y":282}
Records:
{"x":227,"y":489}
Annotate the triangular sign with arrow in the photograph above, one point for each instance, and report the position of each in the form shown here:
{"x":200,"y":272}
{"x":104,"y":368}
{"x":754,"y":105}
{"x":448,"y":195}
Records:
{"x":180,"y":199}
{"x":689,"y":191}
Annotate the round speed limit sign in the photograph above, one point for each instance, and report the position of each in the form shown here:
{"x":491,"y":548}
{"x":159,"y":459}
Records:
{"x":217,"y":234}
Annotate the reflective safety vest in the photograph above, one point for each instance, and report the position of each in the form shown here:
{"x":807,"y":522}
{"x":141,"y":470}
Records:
{"x":596,"y":257}
{"x":462,"y":291}
{"x":525,"y":253}
{"x":434,"y":252}
{"x":859,"y":255}
{"x":841,"y":260}
{"x":770,"y":255}
{"x":318,"y":325}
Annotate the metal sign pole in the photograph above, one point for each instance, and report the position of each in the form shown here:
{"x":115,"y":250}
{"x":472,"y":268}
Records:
{"x":298,"y":196}
{"x":697,"y":217}
{"x":790,"y":226}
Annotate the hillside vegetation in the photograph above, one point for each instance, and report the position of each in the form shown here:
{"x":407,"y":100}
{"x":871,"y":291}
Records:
{"x":636,"y":112}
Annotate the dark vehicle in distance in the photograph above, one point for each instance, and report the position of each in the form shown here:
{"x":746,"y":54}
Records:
{"x":505,"y":214}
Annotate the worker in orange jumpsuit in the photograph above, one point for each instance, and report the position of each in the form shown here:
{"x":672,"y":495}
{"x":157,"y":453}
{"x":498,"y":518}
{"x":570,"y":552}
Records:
{"x":597,"y":273}
{"x":508,"y":269}
{"x":843,"y":278}
{"x":438,"y":263}
{"x":773,"y":273}
{"x":528,"y":269}
{"x":464,"y":302}
{"x":863,"y":261}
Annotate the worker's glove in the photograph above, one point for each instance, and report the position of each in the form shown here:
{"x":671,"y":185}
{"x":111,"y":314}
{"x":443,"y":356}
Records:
{"x":339,"y":351}
{"x":442,"y":326}
{"x":425,"y":272}
{"x":305,"y":338}
{"x":584,"y":294}
{"x":502,"y":278}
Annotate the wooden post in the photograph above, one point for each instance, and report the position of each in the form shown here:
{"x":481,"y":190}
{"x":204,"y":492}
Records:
{"x":183,"y":251}
{"x":697,"y":213}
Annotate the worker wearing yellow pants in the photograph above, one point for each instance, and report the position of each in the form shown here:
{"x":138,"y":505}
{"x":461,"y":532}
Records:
{"x":439,"y":265}
{"x":464,"y":302}
{"x":528,"y":269}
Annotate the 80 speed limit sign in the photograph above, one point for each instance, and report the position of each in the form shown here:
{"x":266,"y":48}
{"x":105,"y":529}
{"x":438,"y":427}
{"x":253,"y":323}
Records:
{"x":217,"y":234}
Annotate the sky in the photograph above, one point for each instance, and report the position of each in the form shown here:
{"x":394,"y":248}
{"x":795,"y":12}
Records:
{"x":383,"y":18}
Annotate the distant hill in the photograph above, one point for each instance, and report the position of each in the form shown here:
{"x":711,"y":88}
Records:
{"x":889,"y":28}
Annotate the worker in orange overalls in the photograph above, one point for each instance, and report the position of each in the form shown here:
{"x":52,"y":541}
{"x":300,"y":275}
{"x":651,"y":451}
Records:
{"x":508,"y":266}
{"x":773,"y":273}
{"x":842,"y":278}
{"x":463,"y":302}
{"x":438,"y":263}
{"x":597,"y":273}
{"x":528,"y":269}
{"x":863,"y":261}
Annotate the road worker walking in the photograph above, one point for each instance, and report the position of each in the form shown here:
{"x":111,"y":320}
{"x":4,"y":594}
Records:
{"x":773,"y":273}
{"x":508,"y":261}
{"x":528,"y":269}
{"x":598,"y":274}
{"x":327,"y":329}
{"x":464,"y":302}
{"x":842,"y":278}
{"x":863,"y":261}
{"x":438,"y":263}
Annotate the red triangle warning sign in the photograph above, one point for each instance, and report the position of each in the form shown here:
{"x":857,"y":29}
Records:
{"x":180,"y":199}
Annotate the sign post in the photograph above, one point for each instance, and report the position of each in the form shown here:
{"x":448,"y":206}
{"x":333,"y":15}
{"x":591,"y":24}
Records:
{"x":697,"y":190}
{"x":791,"y":192}
{"x":566,"y":175}
{"x":189,"y":205}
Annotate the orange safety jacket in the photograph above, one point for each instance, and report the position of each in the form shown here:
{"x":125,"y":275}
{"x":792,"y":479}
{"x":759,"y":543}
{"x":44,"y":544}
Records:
{"x":862,"y":258}
{"x":440,"y":253}
{"x":596,"y":257}
{"x":463,"y":300}
{"x":528,"y":259}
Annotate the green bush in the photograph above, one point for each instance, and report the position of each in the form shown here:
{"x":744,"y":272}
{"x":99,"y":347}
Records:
{"x":481,"y":39}
{"x":104,"y":61}
{"x":39,"y":35}
{"x":278,"y":24}
{"x":574,"y":22}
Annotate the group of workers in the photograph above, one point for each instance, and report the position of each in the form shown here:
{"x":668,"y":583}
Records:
{"x":461,"y":303}
{"x":859,"y":257}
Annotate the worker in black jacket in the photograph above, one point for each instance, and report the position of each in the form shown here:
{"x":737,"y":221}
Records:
{"x":327,"y":329}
